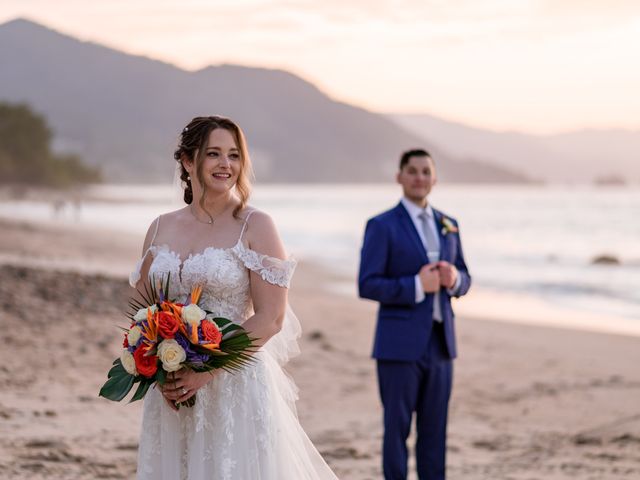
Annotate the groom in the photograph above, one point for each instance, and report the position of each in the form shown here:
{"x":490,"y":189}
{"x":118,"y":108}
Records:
{"x":412,"y":264}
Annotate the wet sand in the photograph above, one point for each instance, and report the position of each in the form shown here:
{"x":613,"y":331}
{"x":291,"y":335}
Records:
{"x":528,"y":402}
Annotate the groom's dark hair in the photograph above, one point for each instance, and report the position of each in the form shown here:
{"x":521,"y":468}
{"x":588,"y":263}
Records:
{"x":416,"y":152}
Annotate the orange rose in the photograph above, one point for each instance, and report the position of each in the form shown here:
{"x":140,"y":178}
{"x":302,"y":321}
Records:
{"x":146,"y":365}
{"x":210,"y":332}
{"x":167,"y":324}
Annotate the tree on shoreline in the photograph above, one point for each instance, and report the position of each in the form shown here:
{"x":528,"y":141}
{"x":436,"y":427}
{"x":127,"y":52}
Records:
{"x":26,"y":156}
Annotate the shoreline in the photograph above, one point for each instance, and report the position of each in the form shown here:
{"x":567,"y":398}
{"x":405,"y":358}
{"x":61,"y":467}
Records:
{"x":519,"y":309}
{"x":477,"y":305}
{"x":548,"y":282}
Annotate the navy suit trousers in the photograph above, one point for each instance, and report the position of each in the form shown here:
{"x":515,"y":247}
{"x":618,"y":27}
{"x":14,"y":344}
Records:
{"x":424,"y":387}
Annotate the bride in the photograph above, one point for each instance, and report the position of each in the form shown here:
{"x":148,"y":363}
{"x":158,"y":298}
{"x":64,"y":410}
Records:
{"x":243,"y":425}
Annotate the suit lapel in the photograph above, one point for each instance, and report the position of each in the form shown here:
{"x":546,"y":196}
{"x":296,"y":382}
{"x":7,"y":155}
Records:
{"x":410,"y":229}
{"x":444,"y":250}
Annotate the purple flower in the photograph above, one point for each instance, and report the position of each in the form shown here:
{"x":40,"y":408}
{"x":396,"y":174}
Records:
{"x":192,"y":355}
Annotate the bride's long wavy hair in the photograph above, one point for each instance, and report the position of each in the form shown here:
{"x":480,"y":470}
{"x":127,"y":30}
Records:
{"x":192,"y":145}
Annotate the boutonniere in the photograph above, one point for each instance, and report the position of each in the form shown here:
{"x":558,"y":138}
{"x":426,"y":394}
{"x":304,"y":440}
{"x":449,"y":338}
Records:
{"x":448,"y":226}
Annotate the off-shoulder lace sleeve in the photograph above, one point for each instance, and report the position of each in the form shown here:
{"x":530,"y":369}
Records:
{"x":134,"y":276}
{"x":271,"y":269}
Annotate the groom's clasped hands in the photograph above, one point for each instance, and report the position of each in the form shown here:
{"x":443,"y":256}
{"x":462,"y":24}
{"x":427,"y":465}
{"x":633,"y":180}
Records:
{"x":437,"y":275}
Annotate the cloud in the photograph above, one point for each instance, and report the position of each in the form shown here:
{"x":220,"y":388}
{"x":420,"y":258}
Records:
{"x":581,"y":15}
{"x":602,"y":8}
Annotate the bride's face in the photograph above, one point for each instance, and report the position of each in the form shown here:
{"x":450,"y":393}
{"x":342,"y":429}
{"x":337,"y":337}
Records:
{"x":221,"y":163}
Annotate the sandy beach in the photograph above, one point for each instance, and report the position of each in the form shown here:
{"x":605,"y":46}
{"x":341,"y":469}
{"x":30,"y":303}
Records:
{"x":529,"y":402}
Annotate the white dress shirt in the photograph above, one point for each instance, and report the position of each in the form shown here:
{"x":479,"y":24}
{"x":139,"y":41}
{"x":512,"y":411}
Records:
{"x":433,"y":251}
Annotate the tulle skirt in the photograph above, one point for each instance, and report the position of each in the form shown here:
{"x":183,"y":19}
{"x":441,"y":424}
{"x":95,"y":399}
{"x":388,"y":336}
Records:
{"x":243,"y":426}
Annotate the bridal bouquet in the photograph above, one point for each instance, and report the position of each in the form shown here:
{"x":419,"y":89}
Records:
{"x":165,"y":336}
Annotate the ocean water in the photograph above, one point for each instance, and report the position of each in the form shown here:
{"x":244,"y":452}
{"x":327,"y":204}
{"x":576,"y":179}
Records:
{"x":533,"y":240}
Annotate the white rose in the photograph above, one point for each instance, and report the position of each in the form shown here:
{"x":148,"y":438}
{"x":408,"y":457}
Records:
{"x":128,"y":362}
{"x":142,"y":313}
{"x":134,"y":335}
{"x":171,"y":355}
{"x":193,"y":314}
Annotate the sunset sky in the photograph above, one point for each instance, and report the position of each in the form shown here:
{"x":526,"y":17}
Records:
{"x":536,"y":66}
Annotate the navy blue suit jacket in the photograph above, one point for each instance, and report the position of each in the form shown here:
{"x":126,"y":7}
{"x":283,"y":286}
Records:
{"x":392,"y":254}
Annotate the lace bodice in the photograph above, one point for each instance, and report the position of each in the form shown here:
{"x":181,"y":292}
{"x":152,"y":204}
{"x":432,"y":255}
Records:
{"x":223,"y":273}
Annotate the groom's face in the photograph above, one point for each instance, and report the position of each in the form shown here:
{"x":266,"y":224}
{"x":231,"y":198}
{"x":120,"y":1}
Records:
{"x":417,"y":178}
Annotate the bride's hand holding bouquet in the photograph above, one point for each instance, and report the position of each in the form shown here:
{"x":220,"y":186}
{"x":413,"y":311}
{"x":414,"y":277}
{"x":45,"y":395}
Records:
{"x":178,"y":346}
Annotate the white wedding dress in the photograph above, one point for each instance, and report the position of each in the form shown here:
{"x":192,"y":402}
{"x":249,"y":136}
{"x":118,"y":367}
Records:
{"x":243,"y":425}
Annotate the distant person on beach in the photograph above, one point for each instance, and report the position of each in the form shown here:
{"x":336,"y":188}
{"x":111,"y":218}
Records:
{"x":57,"y":207}
{"x":412,"y":264}
{"x":76,"y":203}
{"x":243,"y":425}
